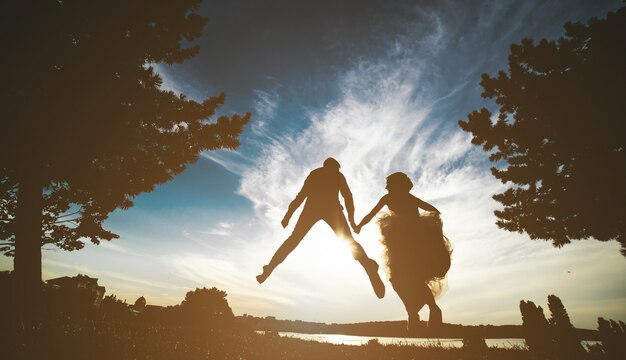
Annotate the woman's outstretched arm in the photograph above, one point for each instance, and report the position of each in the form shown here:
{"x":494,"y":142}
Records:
{"x":426,"y":206}
{"x":382,"y":202}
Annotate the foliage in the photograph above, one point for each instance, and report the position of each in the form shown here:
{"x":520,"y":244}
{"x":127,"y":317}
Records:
{"x":69,"y":301}
{"x":554,"y":338}
{"x":474,"y":344}
{"x":150,"y":335}
{"x":86,"y":124}
{"x":114,"y":308}
{"x":8,"y":204}
{"x":536,"y":330}
{"x":613,"y":336}
{"x":136,"y":339}
{"x":558,"y":135}
{"x":140,"y":303}
{"x":567,"y":345}
{"x":206,"y":308}
{"x":373,"y":343}
{"x":84,"y":116}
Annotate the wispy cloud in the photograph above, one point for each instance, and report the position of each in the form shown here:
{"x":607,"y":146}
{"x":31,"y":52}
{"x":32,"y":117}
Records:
{"x":231,"y":160}
{"x":221,"y":229}
{"x":392,"y":114}
{"x":175,"y":79}
{"x":265,"y":106}
{"x":51,"y":269}
{"x":384,"y":122}
{"x":114,"y":246}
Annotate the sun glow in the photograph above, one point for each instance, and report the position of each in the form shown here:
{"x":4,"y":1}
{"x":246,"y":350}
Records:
{"x":322,"y":251}
{"x":326,"y":261}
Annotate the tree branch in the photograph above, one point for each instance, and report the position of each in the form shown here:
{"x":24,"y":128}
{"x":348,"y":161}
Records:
{"x":70,"y":214}
{"x":11,"y":188}
{"x":70,"y":220}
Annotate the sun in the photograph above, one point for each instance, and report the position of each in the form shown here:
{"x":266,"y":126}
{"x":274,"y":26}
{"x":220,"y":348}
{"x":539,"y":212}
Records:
{"x":328,"y":257}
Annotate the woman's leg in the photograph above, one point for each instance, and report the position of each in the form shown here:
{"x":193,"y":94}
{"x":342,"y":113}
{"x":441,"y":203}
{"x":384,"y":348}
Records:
{"x":435,"y":315}
{"x":412,"y":301}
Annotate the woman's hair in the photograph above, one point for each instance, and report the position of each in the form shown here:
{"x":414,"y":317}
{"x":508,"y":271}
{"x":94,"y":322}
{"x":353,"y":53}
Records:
{"x":331,"y":163}
{"x":399,"y":181}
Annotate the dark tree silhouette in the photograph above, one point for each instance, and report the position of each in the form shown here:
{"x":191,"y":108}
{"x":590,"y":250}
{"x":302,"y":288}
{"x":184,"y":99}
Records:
{"x":536,"y":330}
{"x":550,"y":339}
{"x":567,"y":344}
{"x":114,"y":308}
{"x":558,"y":136}
{"x":140,"y":304}
{"x":204,"y":308}
{"x":613,"y":336}
{"x":86,"y":125}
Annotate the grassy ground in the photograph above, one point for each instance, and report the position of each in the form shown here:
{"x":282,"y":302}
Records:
{"x":136,"y":339}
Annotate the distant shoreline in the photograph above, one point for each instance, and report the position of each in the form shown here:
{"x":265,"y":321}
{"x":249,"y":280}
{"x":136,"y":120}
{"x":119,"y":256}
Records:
{"x":397,"y":329}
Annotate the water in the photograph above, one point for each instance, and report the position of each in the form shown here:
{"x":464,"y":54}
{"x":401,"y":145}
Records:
{"x":360,"y":340}
{"x":452,"y":343}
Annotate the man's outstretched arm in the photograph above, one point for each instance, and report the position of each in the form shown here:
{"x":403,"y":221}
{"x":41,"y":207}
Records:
{"x":296,"y":202}
{"x":347,"y":198}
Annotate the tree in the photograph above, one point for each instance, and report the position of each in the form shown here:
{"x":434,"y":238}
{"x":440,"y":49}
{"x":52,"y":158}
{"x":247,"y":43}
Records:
{"x":566,"y":342}
{"x":536,"y":329}
{"x":114,"y":308}
{"x":140,"y":304}
{"x":613,"y":337}
{"x":86,"y":125}
{"x":558,"y":137}
{"x":204,"y":307}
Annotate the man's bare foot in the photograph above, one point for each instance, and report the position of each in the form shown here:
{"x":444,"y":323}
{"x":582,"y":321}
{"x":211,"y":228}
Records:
{"x":263,"y":276}
{"x":372,"y":272}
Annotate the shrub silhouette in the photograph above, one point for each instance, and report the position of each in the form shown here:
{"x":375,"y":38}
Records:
{"x":567,"y":345}
{"x":114,"y":308}
{"x":613,"y":337}
{"x":140,"y":304}
{"x":554,"y":338}
{"x":535,"y":327}
{"x":475,"y":346}
{"x":206,"y":308}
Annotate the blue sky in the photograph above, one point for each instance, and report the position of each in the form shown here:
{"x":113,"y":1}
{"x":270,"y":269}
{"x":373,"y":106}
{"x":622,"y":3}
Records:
{"x":380,"y":86}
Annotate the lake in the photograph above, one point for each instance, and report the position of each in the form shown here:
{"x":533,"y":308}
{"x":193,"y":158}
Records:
{"x":360,"y":340}
{"x":454,"y":343}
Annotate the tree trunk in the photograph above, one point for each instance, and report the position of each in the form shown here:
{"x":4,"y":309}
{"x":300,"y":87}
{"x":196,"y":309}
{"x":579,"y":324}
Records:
{"x":28,"y":235}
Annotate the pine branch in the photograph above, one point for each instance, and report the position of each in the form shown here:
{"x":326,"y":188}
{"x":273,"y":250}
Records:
{"x":70,"y":214}
{"x":69,"y":220}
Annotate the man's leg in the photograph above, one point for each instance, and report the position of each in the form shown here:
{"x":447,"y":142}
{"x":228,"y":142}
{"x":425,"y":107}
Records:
{"x":304,"y":224}
{"x":337,"y":221}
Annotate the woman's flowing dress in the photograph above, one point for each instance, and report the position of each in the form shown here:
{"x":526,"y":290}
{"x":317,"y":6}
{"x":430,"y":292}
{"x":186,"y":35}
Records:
{"x":415,"y":249}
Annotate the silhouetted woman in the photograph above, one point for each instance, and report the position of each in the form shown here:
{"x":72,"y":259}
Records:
{"x":417,"y":254}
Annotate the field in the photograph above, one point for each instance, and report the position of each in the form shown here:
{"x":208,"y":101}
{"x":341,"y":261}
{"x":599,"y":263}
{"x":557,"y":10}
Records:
{"x":141,"y":339}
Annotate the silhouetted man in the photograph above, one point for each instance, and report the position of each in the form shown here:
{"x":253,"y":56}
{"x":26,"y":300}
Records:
{"x":321,"y":189}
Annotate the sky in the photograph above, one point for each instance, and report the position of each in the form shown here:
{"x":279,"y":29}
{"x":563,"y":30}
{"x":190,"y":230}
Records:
{"x":380,"y":86}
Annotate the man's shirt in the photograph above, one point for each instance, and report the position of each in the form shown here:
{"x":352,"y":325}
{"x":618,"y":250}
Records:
{"x":321,"y":190}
